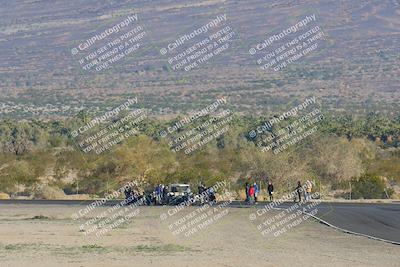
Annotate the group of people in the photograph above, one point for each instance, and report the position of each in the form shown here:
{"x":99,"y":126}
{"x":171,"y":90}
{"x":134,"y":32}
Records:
{"x":206,"y":194}
{"x":252,"y":191}
{"x":131,"y":196}
{"x":161,"y":197}
{"x":306,"y":190}
{"x":161,"y":194}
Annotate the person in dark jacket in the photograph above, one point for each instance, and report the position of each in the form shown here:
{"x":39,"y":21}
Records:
{"x":211,"y":194}
{"x":165,"y":195}
{"x":271,"y":191}
{"x":246,"y":188}
{"x":203,"y":196}
{"x":299,"y":190}
{"x":128,"y":195}
{"x":158,"y":194}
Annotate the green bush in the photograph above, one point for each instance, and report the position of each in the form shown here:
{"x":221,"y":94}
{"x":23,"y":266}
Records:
{"x":368,"y":186}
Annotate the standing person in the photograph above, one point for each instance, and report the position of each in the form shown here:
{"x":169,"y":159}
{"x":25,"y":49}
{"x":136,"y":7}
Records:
{"x":256,"y":191}
{"x":271,"y":191}
{"x":299,"y":190}
{"x":201,"y":189}
{"x":161,"y":193}
{"x":251,"y":194}
{"x":128,"y":195}
{"x":211,"y":194}
{"x":127,"y":192}
{"x":165,"y":195}
{"x":246,"y":188}
{"x":308,"y":191}
{"x":158,"y":194}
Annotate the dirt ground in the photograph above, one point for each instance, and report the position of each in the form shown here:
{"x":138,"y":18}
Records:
{"x":46,"y":235}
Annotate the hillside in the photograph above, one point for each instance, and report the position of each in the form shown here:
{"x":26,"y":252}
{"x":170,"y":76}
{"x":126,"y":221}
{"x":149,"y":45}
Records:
{"x":355,"y":68}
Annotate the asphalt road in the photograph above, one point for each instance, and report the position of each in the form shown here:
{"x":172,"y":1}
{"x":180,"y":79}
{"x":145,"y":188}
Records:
{"x":378,"y":219}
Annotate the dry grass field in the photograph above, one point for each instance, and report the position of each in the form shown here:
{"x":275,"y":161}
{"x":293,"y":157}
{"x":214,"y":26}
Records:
{"x":41,"y":236}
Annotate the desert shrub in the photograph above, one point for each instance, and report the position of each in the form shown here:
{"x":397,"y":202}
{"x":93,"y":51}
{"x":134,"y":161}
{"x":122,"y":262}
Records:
{"x":70,"y":189}
{"x":4,"y":196}
{"x":47,"y":192}
{"x":368,"y":186}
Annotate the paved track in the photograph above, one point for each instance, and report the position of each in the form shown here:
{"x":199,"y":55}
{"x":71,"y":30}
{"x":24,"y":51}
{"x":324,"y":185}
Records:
{"x":377,"y":220}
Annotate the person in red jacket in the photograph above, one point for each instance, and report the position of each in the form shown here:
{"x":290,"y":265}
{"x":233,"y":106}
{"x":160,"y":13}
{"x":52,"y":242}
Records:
{"x":251,"y":194}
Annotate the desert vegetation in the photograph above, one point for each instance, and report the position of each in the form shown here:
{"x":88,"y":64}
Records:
{"x":37,"y":156}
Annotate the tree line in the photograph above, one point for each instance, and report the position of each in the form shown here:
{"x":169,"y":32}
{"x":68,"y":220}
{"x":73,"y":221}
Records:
{"x":344,"y":148}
